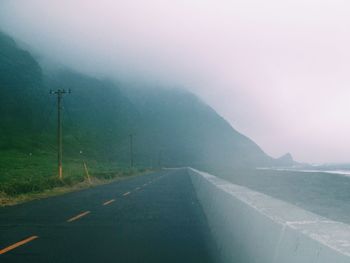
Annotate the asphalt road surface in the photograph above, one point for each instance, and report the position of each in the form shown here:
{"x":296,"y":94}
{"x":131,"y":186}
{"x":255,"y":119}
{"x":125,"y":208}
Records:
{"x":151,"y":218}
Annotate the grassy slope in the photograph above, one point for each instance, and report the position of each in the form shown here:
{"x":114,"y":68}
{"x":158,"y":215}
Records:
{"x":170,"y":126}
{"x":24,"y":177}
{"x":27,"y":128}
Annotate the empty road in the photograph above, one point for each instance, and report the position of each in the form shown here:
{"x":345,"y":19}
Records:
{"x":151,"y":218}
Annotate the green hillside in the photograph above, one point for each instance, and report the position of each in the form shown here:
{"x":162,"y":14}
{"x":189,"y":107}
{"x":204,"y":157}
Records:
{"x":170,"y":127}
{"x":190,"y":133}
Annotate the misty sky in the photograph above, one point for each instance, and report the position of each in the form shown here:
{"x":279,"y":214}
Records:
{"x":277,"y":70}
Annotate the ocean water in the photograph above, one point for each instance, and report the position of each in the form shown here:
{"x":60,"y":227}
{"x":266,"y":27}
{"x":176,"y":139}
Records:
{"x":324,"y":192}
{"x":338,"y":171}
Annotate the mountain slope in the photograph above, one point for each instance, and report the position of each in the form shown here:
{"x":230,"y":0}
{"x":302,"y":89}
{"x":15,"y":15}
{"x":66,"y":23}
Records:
{"x":21,"y":84}
{"x":169,"y":126}
{"x":189,"y":132}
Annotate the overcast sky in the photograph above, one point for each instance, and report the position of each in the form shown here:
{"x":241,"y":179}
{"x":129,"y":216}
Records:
{"x":277,"y":70}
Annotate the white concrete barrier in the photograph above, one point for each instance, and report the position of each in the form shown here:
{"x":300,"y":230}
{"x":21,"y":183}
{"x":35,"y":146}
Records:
{"x":250,"y":227}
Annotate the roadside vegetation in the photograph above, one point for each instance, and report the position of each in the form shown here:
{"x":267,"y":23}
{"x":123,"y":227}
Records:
{"x":26,"y":177}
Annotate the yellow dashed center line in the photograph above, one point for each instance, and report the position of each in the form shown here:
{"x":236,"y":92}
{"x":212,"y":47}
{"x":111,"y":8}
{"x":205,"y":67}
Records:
{"x":29,"y":239}
{"x":78,"y":216}
{"x":20,"y":243}
{"x":108,"y":202}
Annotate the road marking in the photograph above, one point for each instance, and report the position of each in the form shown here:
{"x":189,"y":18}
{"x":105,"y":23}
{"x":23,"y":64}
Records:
{"x":108,"y":202}
{"x":20,"y":243}
{"x":78,"y":216}
{"x":127,"y":193}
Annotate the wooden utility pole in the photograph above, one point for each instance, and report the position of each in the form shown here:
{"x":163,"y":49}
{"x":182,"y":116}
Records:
{"x":131,"y":151}
{"x":59,"y":93}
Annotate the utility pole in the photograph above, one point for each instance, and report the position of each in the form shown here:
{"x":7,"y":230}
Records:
{"x":59,"y":93}
{"x":131,"y":151}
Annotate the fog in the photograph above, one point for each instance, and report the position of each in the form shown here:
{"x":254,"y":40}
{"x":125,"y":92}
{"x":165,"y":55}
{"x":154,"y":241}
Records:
{"x":277,"y":70}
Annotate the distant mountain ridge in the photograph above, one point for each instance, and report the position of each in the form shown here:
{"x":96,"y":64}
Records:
{"x":170,"y":127}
